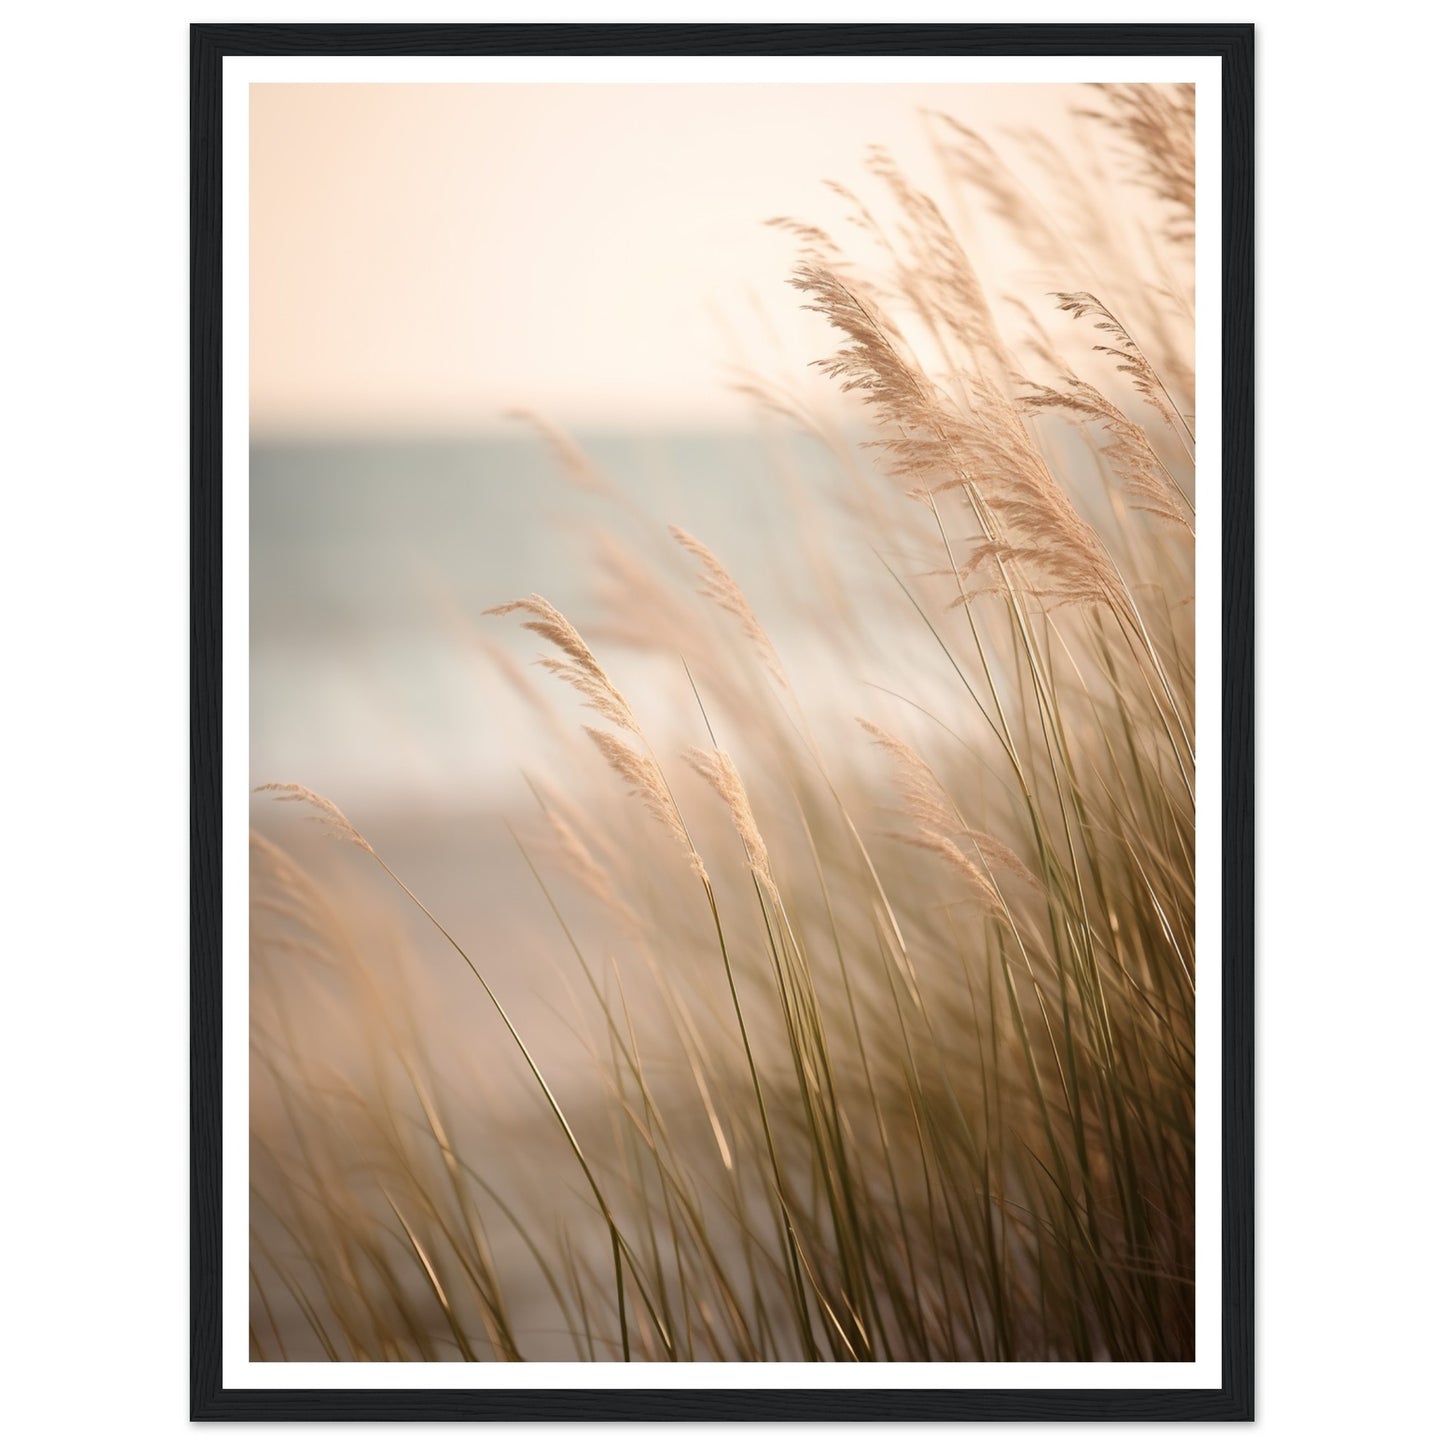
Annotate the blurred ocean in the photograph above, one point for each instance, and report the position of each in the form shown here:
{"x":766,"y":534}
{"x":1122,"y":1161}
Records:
{"x":371,"y":562}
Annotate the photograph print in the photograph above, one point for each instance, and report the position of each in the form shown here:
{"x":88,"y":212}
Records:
{"x":725,"y":632}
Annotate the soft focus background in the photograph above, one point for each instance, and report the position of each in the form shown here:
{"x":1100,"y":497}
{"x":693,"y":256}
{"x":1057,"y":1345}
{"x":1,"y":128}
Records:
{"x":427,"y":259}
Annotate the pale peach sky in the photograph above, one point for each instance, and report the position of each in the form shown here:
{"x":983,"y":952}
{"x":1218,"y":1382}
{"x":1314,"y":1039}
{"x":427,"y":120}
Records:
{"x":425,"y":257}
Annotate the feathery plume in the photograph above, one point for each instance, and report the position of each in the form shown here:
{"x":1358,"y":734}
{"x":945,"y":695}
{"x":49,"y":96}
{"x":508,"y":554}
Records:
{"x":718,"y":584}
{"x":579,"y":858}
{"x":1147,"y":482}
{"x":935,"y":813}
{"x":927,"y":804}
{"x":997,"y":857}
{"x":576,"y":465}
{"x":1125,"y":353}
{"x":966,"y":153}
{"x":638,"y":609}
{"x":514,"y":674}
{"x":817,"y":244}
{"x":648,"y":784}
{"x":577,"y":666}
{"x":942,"y":272}
{"x":987,"y":453}
{"x":721,"y":772}
{"x":1157,"y":121}
{"x":580,"y":861}
{"x":945,"y":848}
{"x":324,"y":812}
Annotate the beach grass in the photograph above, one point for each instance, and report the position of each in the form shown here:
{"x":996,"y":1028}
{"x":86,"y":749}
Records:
{"x":890,"y":1015}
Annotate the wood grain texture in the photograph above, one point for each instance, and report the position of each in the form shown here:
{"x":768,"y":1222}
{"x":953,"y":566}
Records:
{"x":205,"y":263}
{"x":1237,"y":476}
{"x":1235,"y":1400}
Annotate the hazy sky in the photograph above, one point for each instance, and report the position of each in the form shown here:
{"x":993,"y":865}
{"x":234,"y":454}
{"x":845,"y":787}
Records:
{"x":428,"y":256}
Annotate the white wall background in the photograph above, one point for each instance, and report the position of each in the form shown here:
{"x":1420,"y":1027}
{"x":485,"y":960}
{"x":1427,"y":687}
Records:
{"x":93,"y":607}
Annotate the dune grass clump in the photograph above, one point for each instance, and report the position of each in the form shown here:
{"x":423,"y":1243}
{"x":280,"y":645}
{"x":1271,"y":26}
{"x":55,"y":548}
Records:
{"x":890,"y":1048}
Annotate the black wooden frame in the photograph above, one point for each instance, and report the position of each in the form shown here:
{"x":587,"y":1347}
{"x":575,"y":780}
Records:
{"x":1234,"y":1400}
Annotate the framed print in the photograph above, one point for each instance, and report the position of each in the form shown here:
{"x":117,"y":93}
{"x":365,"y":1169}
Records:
{"x":722,"y":711}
